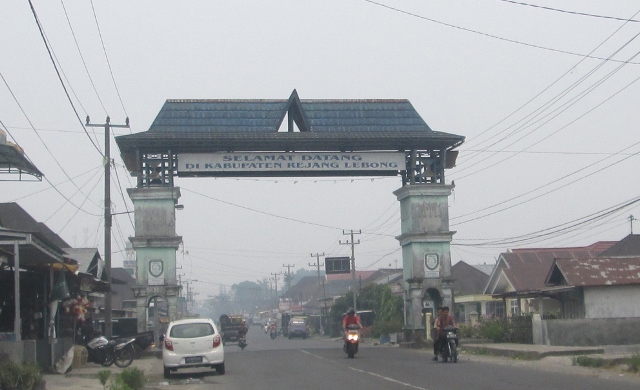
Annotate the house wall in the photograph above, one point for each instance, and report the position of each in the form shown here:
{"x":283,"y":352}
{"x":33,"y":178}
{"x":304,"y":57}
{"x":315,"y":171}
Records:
{"x":587,"y":332}
{"x":612,"y":301}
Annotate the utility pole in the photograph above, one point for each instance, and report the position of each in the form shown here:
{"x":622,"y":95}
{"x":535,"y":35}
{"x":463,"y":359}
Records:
{"x":288,"y":277}
{"x":108,"y":329}
{"x":631,"y":219}
{"x":275,"y":277}
{"x":324,"y":293}
{"x":352,"y":243}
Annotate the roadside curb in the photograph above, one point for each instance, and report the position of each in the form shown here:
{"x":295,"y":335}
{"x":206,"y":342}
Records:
{"x":529,"y":353}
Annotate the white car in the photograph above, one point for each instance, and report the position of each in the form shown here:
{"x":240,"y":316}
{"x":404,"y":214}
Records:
{"x":192,"y":343}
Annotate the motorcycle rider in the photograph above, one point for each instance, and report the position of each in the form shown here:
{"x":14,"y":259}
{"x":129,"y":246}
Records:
{"x":443,"y":320}
{"x":350,"y":319}
{"x":242,"y":330}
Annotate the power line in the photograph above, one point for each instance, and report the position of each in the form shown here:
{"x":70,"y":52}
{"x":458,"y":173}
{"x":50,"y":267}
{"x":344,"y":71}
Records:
{"x":263,"y":212}
{"x":126,"y":207}
{"x":82,"y":58}
{"x":35,"y":15}
{"x":547,"y":104}
{"x":591,"y":218}
{"x":546,"y":193}
{"x":570,"y":12}
{"x":486,"y":34}
{"x":47,"y":148}
{"x":104,"y":49}
{"x":85,"y":199}
{"x":538,"y":111}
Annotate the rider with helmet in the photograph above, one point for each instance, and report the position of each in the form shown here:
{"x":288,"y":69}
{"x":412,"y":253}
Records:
{"x":351,"y":319}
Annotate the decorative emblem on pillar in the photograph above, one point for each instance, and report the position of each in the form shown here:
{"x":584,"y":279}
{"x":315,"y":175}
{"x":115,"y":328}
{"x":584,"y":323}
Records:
{"x":156,"y":273}
{"x":432,"y":265}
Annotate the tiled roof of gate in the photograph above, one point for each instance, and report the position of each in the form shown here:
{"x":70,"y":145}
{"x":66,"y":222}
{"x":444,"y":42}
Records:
{"x":207,"y":125}
{"x":216,"y":116}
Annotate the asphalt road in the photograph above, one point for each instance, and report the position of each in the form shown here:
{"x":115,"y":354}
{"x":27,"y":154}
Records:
{"x":321,"y":364}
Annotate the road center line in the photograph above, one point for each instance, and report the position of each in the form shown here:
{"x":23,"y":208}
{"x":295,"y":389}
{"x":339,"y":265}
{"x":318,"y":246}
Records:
{"x":368,"y":372}
{"x":388,"y":379}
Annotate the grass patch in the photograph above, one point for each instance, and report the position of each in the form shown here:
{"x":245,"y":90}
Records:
{"x":587,"y":361}
{"x":634,"y":362}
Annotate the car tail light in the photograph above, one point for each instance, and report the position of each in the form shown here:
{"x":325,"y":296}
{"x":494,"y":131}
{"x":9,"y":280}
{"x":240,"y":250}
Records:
{"x":168,"y":344}
{"x":216,"y":341}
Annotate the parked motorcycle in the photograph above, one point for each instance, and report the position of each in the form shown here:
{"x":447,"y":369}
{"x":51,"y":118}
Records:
{"x":107,"y":352}
{"x":351,"y":340}
{"x":450,"y":347}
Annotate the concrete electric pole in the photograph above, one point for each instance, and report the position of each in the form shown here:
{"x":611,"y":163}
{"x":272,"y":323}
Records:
{"x":320,"y":281}
{"x":288,"y":275}
{"x":275,"y":277}
{"x":108,"y":329}
{"x":354,"y":286}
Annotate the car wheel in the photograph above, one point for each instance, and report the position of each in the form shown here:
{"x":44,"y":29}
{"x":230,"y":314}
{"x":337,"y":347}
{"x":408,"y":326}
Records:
{"x":220,"y":369}
{"x":167,"y":373}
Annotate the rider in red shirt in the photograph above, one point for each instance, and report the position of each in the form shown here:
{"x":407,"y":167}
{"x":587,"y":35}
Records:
{"x":351,"y":319}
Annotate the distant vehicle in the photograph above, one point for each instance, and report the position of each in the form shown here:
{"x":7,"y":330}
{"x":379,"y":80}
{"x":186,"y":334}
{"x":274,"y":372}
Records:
{"x":229,"y":325}
{"x":298,"y":327}
{"x":256,"y":320}
{"x":192,"y":343}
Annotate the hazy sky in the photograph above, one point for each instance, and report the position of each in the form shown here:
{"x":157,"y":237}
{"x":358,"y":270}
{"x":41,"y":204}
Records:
{"x":551,"y":157}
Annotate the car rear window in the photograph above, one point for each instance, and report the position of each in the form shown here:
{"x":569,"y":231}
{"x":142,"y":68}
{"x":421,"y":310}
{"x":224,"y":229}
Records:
{"x":187,"y":331}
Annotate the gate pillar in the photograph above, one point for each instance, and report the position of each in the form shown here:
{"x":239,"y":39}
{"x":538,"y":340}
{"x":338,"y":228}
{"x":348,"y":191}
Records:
{"x":426,"y":256}
{"x":155,"y":244}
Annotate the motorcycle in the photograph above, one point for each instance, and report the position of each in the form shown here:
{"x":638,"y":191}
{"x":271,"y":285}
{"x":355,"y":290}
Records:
{"x":273,"y":332}
{"x":107,"y":352}
{"x":242,"y":342}
{"x":450,"y":346}
{"x":351,"y":340}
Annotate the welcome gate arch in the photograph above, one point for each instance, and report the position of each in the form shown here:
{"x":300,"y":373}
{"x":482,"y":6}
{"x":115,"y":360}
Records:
{"x":242,"y":138}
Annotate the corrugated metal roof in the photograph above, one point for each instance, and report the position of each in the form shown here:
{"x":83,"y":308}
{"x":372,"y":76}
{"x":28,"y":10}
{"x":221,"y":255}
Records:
{"x":13,"y":160}
{"x":88,"y":260}
{"x":14,"y":217}
{"x":601,"y":271}
{"x":628,"y":246}
{"x":528,"y":269}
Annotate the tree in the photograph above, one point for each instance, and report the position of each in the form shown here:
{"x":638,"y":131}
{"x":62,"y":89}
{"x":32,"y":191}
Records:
{"x":388,"y":308}
{"x":247,"y":296}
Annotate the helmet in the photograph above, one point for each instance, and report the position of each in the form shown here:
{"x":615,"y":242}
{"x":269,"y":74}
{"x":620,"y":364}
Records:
{"x":351,"y":311}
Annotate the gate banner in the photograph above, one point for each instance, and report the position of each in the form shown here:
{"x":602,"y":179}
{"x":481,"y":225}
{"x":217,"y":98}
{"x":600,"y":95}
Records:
{"x":291,"y":162}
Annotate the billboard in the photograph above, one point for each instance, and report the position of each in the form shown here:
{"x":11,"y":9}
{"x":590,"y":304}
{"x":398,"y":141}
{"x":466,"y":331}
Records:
{"x":337,"y":265}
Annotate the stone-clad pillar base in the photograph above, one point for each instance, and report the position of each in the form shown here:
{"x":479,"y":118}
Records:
{"x":426,"y":257}
{"x":155,"y":243}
